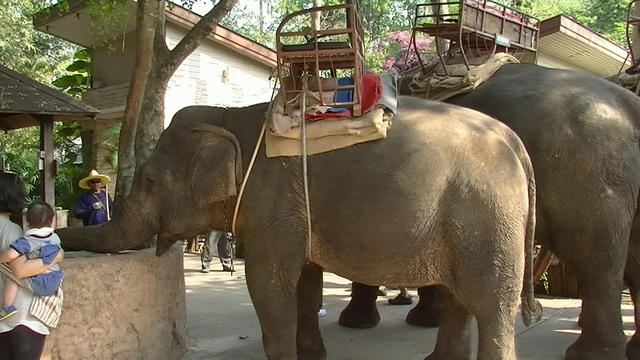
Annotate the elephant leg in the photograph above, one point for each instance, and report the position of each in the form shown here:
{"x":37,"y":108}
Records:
{"x":273,"y":290}
{"x":602,"y":337}
{"x":632,"y":279}
{"x":309,"y":339}
{"x":428,"y":311}
{"x":496,"y":329}
{"x":454,"y":335}
{"x":633,"y":346}
{"x":361,"y":312}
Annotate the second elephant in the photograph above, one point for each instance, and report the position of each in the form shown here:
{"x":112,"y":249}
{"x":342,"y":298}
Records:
{"x":582,"y":135}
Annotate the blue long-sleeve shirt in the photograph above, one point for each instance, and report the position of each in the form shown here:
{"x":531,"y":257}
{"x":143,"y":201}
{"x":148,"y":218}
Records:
{"x":84,"y":208}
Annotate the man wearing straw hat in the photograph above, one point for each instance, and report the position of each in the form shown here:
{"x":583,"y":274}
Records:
{"x":96,"y":206}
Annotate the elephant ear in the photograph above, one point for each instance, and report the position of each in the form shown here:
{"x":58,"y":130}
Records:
{"x":216,"y":168}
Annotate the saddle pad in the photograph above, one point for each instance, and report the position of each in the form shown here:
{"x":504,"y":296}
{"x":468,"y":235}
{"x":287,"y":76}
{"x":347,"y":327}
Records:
{"x":323,"y":136}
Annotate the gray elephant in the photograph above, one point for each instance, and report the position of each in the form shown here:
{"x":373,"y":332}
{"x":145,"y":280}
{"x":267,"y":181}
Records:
{"x":582,"y":135}
{"x":452,"y":187}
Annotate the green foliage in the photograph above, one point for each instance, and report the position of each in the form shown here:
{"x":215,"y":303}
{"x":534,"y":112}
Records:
{"x":26,"y":50}
{"x":606,"y":17}
{"x":108,"y":18}
{"x":78,"y":78}
{"x":111,"y":145}
{"x":20,"y":149}
{"x":41,"y":57}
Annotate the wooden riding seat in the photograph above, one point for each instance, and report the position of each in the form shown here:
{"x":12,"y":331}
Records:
{"x":476,"y":30}
{"x":322,"y":43}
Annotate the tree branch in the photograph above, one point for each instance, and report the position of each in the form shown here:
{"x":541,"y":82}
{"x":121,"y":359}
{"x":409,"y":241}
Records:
{"x":198,"y":33}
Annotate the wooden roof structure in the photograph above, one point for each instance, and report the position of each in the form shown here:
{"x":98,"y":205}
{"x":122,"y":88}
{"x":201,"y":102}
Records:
{"x":24,"y":103}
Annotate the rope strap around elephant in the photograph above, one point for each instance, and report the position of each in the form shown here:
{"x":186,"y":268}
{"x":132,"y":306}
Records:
{"x":246,"y":177}
{"x":304,"y":169}
{"x":305,"y":174}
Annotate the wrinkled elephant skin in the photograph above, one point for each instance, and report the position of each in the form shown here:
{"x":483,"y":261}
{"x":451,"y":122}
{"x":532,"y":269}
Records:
{"x":582,"y":135}
{"x":453,"y":188}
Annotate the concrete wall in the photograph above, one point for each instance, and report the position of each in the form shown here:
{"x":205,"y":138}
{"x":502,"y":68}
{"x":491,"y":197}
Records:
{"x":214,"y":75}
{"x":121,"y":307}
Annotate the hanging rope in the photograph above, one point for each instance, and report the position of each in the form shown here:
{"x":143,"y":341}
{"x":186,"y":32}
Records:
{"x":253,"y":158}
{"x":305,"y":175}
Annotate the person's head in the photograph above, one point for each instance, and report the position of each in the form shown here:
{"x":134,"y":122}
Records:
{"x":94,"y":185}
{"x":11,"y":193}
{"x":94,"y":181}
{"x":40,"y":214}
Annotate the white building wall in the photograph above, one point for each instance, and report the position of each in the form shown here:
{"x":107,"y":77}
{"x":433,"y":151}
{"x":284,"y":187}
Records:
{"x":215,"y":75}
{"x":556,"y":63}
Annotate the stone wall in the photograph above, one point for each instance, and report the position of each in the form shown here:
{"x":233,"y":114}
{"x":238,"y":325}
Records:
{"x":127,"y":306}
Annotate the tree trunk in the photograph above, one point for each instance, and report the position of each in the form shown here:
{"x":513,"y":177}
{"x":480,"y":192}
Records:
{"x":147,"y":16}
{"x":155,"y":64}
{"x":165,"y":63}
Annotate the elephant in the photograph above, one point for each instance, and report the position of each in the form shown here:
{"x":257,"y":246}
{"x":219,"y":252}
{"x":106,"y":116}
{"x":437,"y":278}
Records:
{"x":581,"y":133}
{"x":452,"y":187}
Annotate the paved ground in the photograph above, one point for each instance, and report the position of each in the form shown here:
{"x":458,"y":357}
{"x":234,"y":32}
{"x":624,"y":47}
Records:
{"x":222,"y":323}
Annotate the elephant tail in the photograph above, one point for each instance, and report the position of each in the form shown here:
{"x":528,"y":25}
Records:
{"x":530,"y":307}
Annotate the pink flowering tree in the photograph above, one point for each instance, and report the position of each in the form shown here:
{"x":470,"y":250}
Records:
{"x":396,"y":52}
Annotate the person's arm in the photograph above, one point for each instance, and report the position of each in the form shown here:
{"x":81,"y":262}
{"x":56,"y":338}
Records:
{"x":83,"y":207}
{"x":9,"y":255}
{"x":23,"y":268}
{"x":19,"y":247}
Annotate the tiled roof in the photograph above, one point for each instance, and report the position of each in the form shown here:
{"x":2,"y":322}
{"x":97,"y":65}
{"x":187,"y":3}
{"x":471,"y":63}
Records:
{"x":22,"y":100}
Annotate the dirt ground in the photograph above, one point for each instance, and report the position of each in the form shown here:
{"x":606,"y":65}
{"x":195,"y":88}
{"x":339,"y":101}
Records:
{"x":222,"y":323}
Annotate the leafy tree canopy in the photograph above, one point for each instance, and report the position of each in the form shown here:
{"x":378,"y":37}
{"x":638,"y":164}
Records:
{"x":25,"y":50}
{"x":43,"y":58}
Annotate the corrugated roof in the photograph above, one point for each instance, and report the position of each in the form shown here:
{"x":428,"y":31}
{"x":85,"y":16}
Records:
{"x":22,"y":100}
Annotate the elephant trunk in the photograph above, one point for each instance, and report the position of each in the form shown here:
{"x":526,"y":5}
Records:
{"x":128,"y":229}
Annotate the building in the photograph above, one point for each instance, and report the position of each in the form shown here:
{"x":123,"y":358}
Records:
{"x":227,"y":69}
{"x":566,"y":44}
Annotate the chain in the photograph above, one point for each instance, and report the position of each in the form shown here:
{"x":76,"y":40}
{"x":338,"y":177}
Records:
{"x":231,"y":238}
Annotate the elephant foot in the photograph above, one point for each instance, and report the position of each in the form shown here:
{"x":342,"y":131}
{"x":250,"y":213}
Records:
{"x":425,"y":317}
{"x":583,"y":349}
{"x":312,"y":354}
{"x":435,"y":356}
{"x":401,"y":300}
{"x":633,"y":348}
{"x":359,"y":317}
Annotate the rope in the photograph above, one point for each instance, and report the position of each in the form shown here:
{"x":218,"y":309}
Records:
{"x":305,"y":175}
{"x":246,"y":177}
{"x":304,"y":163}
{"x":253,"y":160}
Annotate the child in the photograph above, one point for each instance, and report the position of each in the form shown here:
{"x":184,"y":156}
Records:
{"x":38,"y":242}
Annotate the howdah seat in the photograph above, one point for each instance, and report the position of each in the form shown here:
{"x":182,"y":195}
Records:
{"x":316,"y":46}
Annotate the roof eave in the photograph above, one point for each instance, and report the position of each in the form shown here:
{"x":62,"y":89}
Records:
{"x":564,"y":38}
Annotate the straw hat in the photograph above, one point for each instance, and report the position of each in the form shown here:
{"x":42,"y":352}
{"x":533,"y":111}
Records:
{"x":93,"y":175}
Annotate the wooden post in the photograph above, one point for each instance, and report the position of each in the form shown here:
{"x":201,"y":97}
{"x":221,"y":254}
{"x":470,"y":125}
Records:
{"x":45,"y":160}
